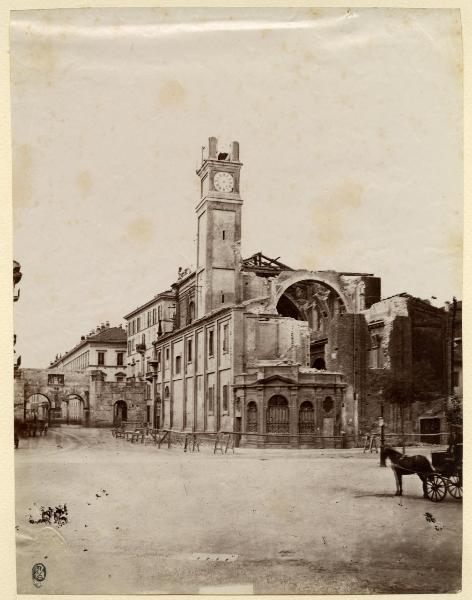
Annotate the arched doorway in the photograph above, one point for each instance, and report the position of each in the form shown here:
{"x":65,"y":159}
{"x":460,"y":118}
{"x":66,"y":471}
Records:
{"x":251,"y":417}
{"x":76,"y":409}
{"x":277,"y":418}
{"x":120,"y":412}
{"x":306,"y":418}
{"x":37,"y":408}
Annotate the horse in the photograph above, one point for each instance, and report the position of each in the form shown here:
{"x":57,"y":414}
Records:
{"x":408,"y":465}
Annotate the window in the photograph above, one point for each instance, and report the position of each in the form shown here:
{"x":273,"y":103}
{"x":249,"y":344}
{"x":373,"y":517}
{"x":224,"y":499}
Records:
{"x":223,"y":234}
{"x":143,"y":339}
{"x":134,"y":326}
{"x":178,"y":364}
{"x":167,"y":354}
{"x":189,"y":351}
{"x":132,"y":345}
{"x":149,"y":318}
{"x":153,"y":316}
{"x":129,"y":347}
{"x":225,"y":399}
{"x":119,"y":359}
{"x":56,"y":379}
{"x":191,"y":312}
{"x":166,"y":391}
{"x":375,"y":352}
{"x":138,"y":324}
{"x":225,"y":338}
{"x":222,"y":298}
{"x":120,"y":377}
{"x":100,"y":358}
{"x":210,"y":342}
{"x":211,"y":400}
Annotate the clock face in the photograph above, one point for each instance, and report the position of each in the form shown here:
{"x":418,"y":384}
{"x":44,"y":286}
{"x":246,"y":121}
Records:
{"x":223,"y":182}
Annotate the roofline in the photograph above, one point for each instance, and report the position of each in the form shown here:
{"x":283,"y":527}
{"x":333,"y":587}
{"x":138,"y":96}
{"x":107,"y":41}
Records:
{"x":83,"y":343}
{"x":179,"y":282}
{"x":167,"y":294}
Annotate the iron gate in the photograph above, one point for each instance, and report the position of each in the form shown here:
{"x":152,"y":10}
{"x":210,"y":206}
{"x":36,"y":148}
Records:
{"x":306,"y":418}
{"x":278,"y":420}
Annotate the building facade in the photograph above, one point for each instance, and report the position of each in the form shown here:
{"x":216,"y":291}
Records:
{"x":281,"y":355}
{"x":103,"y":350}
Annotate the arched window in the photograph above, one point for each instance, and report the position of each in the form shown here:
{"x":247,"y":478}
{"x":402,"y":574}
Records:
{"x":306,"y":418}
{"x":277,"y":418}
{"x":251,"y":417}
{"x":166,"y":391}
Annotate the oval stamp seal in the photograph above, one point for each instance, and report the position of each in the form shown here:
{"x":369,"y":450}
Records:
{"x":39,"y":574}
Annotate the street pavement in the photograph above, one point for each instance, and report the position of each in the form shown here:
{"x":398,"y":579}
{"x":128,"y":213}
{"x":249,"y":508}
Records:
{"x":149,"y":520}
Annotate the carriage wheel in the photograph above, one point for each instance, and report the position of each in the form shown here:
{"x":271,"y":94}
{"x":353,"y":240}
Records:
{"x":454,"y":487}
{"x":436,"y":488}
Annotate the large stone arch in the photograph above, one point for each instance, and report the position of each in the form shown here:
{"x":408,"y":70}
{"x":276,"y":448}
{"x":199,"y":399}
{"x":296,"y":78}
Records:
{"x":37,"y":405}
{"x":328,"y":279}
{"x":38,"y":381}
{"x":76,"y":408}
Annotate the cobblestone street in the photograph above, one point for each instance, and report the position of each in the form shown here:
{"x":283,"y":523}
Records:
{"x":149,"y":520}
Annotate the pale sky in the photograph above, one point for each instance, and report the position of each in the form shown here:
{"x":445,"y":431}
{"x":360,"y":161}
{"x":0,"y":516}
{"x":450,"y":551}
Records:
{"x":350,"y":131}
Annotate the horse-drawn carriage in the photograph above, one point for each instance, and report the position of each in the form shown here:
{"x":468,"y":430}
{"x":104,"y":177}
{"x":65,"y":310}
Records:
{"x":447,"y":475}
{"x":442,"y":476}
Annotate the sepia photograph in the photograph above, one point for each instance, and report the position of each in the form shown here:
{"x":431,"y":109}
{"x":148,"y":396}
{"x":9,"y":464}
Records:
{"x":237,"y":300}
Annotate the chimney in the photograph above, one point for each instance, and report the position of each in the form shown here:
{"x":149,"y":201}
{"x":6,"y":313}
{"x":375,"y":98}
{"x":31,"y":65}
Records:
{"x":212,"y":148}
{"x":234,"y":152}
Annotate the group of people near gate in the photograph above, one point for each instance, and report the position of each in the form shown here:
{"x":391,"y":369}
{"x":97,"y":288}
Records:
{"x":31,"y":428}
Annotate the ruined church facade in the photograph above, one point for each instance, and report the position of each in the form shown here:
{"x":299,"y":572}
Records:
{"x":288,"y":357}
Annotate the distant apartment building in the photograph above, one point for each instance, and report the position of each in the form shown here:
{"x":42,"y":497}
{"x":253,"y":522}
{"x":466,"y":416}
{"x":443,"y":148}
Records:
{"x":143,"y":326}
{"x":103,"y":350}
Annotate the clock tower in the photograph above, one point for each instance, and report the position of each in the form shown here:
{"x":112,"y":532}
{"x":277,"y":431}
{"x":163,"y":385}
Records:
{"x":219,"y":228}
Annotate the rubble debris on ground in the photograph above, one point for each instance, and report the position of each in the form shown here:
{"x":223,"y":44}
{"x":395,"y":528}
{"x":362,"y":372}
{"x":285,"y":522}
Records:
{"x":57,"y":515}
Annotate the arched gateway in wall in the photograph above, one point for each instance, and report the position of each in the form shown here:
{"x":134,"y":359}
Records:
{"x":37,"y":408}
